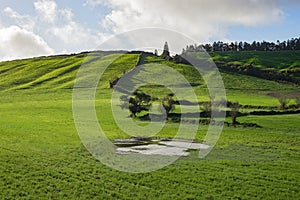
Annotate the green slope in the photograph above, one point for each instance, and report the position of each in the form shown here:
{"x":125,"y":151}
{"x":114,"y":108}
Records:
{"x":42,"y":157}
{"x":57,"y":71}
{"x":245,"y":89}
{"x":266,"y":59}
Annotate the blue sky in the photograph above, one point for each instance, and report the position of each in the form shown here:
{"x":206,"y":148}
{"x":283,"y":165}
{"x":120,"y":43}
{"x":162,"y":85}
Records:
{"x":282,"y":30}
{"x":43,"y":27}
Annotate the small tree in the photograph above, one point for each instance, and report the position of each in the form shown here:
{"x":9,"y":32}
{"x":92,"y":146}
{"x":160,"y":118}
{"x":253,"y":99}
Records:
{"x":168,"y":103}
{"x":206,"y":106}
{"x":166,"y":47}
{"x":156,"y":52}
{"x":113,"y":82}
{"x":137,"y":103}
{"x":235,"y":107}
{"x":166,"y":52}
{"x":283,"y":100}
{"x":297,"y":100}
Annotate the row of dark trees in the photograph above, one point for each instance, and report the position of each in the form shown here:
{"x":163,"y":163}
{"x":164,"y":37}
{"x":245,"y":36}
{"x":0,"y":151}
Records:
{"x":140,"y":101}
{"x":291,"y":44}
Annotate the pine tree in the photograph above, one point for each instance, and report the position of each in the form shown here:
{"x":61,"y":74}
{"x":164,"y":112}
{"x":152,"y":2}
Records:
{"x":166,"y":52}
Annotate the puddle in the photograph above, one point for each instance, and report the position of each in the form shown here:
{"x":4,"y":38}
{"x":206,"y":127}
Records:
{"x":186,"y":145}
{"x":158,"y":146}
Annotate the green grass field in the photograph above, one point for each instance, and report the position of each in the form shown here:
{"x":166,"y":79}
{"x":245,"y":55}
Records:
{"x":42,"y":157}
{"x":265,"y":59}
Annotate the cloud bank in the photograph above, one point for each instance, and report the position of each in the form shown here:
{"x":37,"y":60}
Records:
{"x":16,"y":42}
{"x":200,"y":19}
{"x":52,"y":29}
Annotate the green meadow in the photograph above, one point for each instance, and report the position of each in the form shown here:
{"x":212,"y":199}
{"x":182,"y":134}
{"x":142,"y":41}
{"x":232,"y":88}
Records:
{"x":42,"y":157}
{"x":265,"y":59}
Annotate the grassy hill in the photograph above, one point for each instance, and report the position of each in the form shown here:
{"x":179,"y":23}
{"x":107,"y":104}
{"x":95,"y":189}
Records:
{"x":41,"y":155}
{"x":264,"y":59}
{"x":53,"y":72}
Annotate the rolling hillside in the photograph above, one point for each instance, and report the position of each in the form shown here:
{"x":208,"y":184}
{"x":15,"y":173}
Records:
{"x":59,"y":72}
{"x":54,"y":72}
{"x":265,"y":59}
{"x":42,"y":157}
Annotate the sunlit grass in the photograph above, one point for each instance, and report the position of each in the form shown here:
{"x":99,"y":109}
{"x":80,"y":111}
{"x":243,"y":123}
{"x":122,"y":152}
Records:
{"x":42,"y":156}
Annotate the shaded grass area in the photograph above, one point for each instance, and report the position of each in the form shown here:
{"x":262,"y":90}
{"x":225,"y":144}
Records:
{"x":265,"y":59}
{"x":246,"y":90}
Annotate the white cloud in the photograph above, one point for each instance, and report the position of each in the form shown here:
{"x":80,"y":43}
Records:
{"x":67,"y":14}
{"x":94,"y":3}
{"x":201,"y":19}
{"x":28,"y":36}
{"x":66,"y":34}
{"x":24,"y":21}
{"x":16,"y":42}
{"x":73,"y":37}
{"x":47,"y":9}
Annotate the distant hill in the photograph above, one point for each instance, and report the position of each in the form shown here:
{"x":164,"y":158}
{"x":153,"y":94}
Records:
{"x":55,"y":72}
{"x":59,"y":72}
{"x":279,"y":60}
